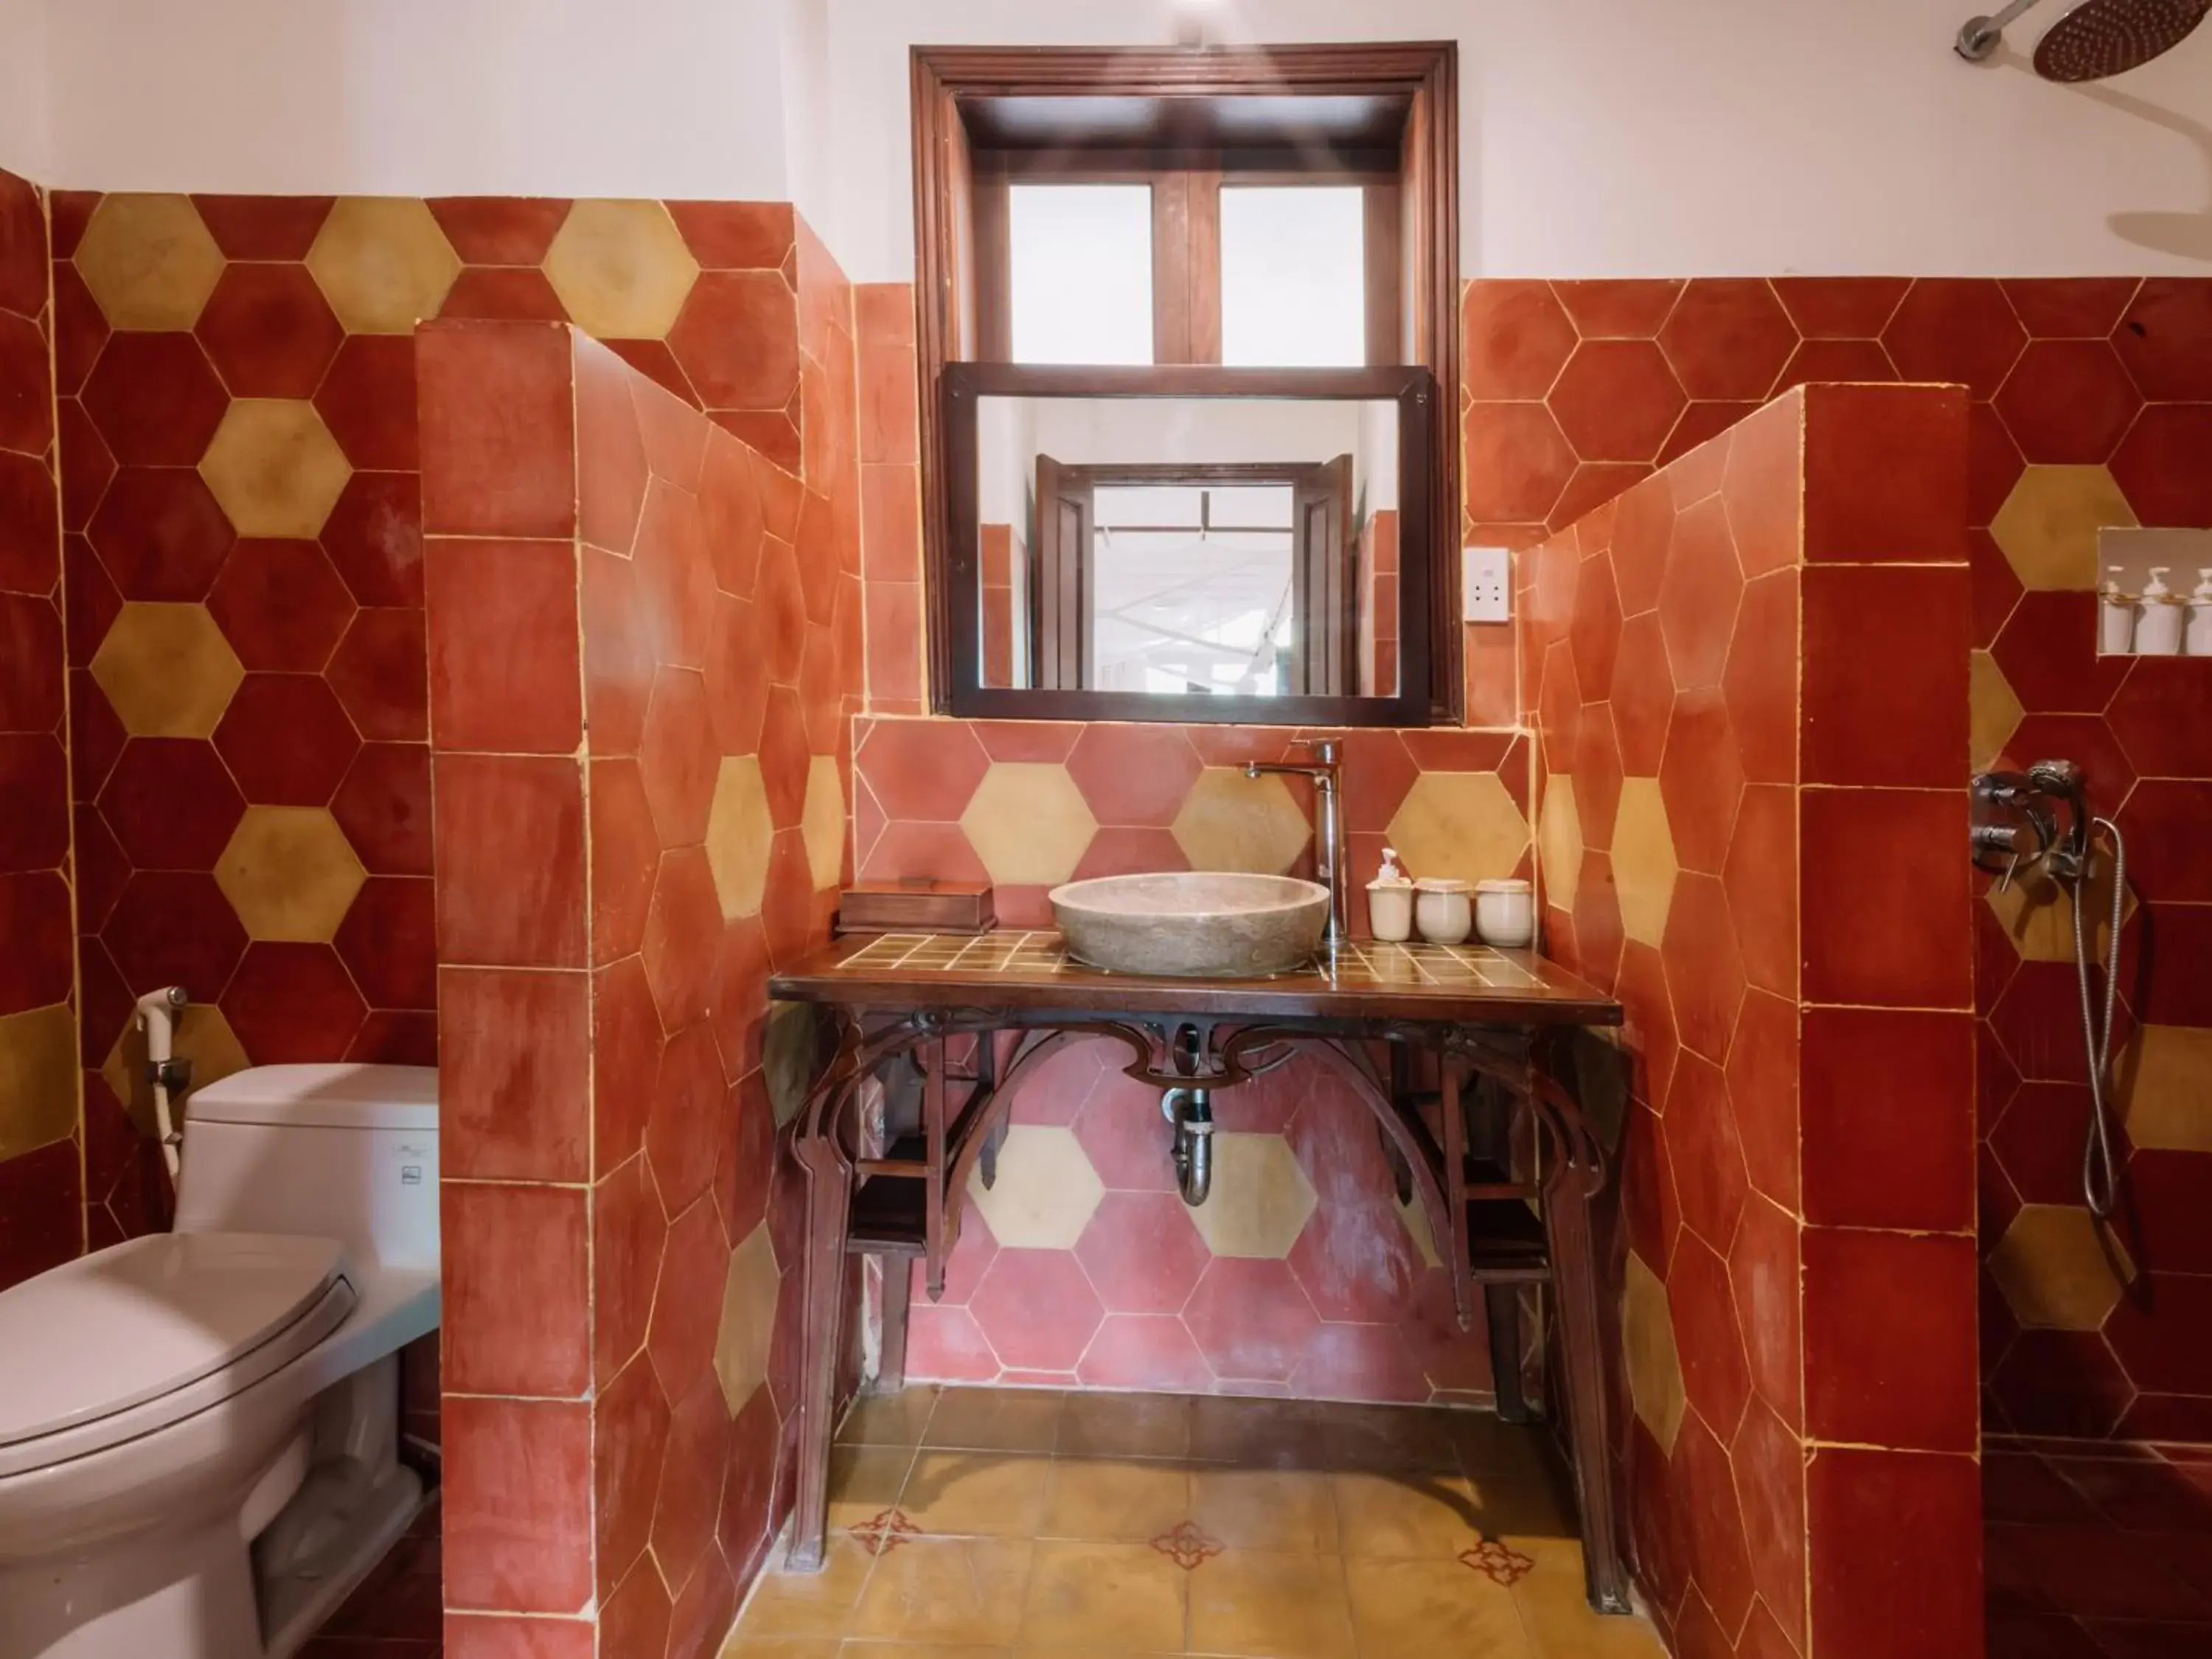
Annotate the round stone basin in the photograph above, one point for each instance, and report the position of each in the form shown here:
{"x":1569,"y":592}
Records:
{"x":1193,"y":924}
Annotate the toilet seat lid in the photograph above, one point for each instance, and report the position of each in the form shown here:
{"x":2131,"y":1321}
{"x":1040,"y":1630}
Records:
{"x":145,"y":1318}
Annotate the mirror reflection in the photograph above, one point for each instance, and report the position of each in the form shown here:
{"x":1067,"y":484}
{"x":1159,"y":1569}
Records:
{"x":1181,"y":546}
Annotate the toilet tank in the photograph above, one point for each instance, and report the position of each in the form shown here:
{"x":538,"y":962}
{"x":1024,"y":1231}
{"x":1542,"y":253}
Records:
{"x":341,"y":1152}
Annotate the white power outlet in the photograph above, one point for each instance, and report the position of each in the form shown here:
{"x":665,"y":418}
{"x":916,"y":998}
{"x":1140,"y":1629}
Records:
{"x":1485,"y":584}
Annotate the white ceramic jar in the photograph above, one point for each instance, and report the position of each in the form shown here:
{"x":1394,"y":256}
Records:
{"x":1442,"y":910}
{"x":1505,"y":914}
{"x":1390,"y":911}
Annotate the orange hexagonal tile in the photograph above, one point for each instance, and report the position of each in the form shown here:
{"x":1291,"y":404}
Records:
{"x":2067,"y":401}
{"x":1759,"y":683}
{"x":1597,"y":774}
{"x":921,"y":769}
{"x":1728,"y":337}
{"x":683,"y":932}
{"x":1704,"y":966}
{"x":677,"y":757}
{"x":1700,"y":779}
{"x":280,"y":605}
{"x":1616,"y":400}
{"x":1643,"y":526}
{"x":738,"y":339}
{"x":1516,"y":336}
{"x":1616,"y":309}
{"x":689,"y":1118}
{"x":1959,"y":329}
{"x":268,"y":330}
{"x":1593,"y":634}
{"x":160,"y":534}
{"x":154,"y":399}
{"x":1699,"y":595}
{"x":1516,"y":464}
{"x":1140,"y":775}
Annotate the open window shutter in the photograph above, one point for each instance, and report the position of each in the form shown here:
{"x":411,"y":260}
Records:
{"x":1063,"y":601}
{"x":1321,"y":584}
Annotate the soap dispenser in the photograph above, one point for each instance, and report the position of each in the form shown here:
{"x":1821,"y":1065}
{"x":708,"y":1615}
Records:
{"x":2158,"y":630}
{"x":1390,"y":901}
{"x":2115,"y":617}
{"x":2197,"y":638}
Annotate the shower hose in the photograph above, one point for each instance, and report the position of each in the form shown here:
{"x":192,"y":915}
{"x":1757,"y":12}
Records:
{"x":2101,"y":1180}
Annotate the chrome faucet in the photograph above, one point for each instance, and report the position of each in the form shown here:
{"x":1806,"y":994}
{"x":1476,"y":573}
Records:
{"x":1326,"y":771}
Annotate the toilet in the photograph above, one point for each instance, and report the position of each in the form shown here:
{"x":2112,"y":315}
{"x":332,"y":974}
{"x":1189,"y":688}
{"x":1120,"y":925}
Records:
{"x":199,"y":1430}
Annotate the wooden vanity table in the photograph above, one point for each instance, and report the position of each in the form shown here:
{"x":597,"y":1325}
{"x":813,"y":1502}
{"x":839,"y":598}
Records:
{"x":1449,"y":1047}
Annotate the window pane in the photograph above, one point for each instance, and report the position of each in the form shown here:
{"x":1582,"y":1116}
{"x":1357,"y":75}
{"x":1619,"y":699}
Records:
{"x":1082,"y":288}
{"x":1293,"y":276}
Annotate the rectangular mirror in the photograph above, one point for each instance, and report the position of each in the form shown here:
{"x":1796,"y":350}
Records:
{"x":1189,"y":543}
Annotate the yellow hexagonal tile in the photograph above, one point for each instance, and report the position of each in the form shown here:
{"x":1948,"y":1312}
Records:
{"x":1028,"y":823}
{"x":382,"y":262}
{"x":1993,"y":708}
{"x":1462,"y":824}
{"x":1647,"y":1342}
{"x":2047,"y":527}
{"x":1560,"y":842}
{"x":2168,"y":1087}
{"x":289,"y":873}
{"x":275,"y":468}
{"x":202,"y":1036}
{"x":2057,"y":1272}
{"x":739,"y":836}
{"x":149,"y":261}
{"x":1261,"y":1199}
{"x":748,"y":1327}
{"x":1045,"y":1191}
{"x":822,"y":822}
{"x":168,"y":670}
{"x":38,"y":1078}
{"x":1643,"y":866}
{"x":1231,"y":822}
{"x":622,"y":268}
{"x":2037,"y":915}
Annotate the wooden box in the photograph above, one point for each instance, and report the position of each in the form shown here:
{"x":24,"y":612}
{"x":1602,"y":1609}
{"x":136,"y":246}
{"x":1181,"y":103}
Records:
{"x":916,"y":906}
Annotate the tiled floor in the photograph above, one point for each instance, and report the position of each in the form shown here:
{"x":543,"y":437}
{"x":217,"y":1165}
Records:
{"x":395,"y":1613}
{"x":2099,"y":1550}
{"x":1015,"y":1524}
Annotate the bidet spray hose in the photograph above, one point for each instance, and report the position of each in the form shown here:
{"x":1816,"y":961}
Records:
{"x":2100,"y":1175}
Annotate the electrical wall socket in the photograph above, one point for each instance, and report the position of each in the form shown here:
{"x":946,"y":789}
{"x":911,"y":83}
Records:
{"x":1485,"y":584}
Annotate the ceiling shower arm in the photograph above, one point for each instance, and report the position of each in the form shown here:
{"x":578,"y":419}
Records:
{"x":1979,"y":36}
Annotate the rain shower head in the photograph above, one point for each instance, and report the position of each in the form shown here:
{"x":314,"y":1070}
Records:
{"x":2095,"y":39}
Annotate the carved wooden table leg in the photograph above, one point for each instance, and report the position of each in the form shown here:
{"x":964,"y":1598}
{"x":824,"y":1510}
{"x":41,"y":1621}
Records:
{"x":1574,"y":1277}
{"x":829,"y":1209}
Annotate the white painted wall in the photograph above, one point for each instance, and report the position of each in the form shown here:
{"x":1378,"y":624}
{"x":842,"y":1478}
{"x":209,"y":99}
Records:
{"x":23,"y":150}
{"x":1603,"y":139}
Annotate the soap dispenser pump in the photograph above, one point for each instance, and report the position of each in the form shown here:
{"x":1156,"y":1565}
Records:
{"x":1390,"y":901}
{"x":2158,"y":630}
{"x":2115,"y":617}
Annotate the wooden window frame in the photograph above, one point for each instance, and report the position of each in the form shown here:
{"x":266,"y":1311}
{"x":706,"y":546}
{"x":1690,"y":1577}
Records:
{"x":955,"y":243}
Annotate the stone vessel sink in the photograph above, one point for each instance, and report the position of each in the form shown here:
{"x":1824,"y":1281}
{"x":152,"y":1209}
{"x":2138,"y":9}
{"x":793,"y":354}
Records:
{"x":1193,"y":924}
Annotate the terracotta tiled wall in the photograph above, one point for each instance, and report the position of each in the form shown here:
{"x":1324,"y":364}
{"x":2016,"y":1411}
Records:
{"x":1750,"y":677}
{"x":41,"y":1160}
{"x":639,"y":703}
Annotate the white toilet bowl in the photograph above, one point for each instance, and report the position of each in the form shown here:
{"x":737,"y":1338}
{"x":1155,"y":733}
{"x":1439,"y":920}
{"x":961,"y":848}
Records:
{"x":198,"y":1430}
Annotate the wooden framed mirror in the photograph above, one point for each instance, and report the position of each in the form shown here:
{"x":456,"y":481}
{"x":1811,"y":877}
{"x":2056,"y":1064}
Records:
{"x":1187,"y":544}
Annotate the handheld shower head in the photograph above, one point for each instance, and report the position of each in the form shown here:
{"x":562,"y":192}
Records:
{"x":2102,"y":38}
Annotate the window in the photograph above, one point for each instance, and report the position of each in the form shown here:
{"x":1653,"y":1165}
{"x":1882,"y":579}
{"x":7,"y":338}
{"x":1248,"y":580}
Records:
{"x":1293,"y":282}
{"x":1081,"y":273}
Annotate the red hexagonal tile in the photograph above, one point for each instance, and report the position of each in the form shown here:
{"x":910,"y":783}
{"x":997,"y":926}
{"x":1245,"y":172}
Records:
{"x":1136,"y":775}
{"x":1768,"y":1461}
{"x":2038,"y":1018}
{"x":1764,"y":1280}
{"x":1704,"y":1150}
{"x":784,"y":757}
{"x":1516,"y":337}
{"x":2164,"y":827}
{"x":1036,"y":1308}
{"x":2036,"y":1142}
{"x":1699,"y":595}
{"x":1762,"y":1081}
{"x":1593,"y":634}
{"x":384,"y":806}
{"x":1141,"y":1253}
{"x":160,"y":534}
{"x":1960,"y":328}
{"x":1591,"y":489}
{"x":1362,"y":1363}
{"x":2160,"y":464}
{"x":737,"y":340}
{"x":281,"y":606}
{"x":1840,"y":307}
{"x":687,"y":1306}
{"x":1723,"y":1561}
{"x":683,"y":933}
{"x":2162,"y":717}
{"x":921,"y":769}
{"x":80,"y":328}
{"x":678,"y":757}
{"x":1700,"y":779}
{"x":1760,"y":684}
{"x":263,"y":227}
{"x":1852,"y":361}
{"x":86,"y":465}
{"x":96,"y":736}
{"x":1516,"y":464}
{"x":374,"y":537}
{"x":690,"y":1116}
{"x":675,"y":575}
{"x":780,"y":604}
{"x":1616,"y":400}
{"x":1357,"y":1262}
{"x":1705,"y":968}
{"x":173,"y":928}
{"x":1708,"y":1334}
{"x":1642,"y":527}
{"x":2067,"y":401}
{"x":388,"y":943}
{"x":2088,"y":739}
{"x":102,"y":870}
{"x":792,"y":916}
{"x":946,"y":1345}
{"x":1330,"y":1132}
{"x":381,"y":674}
{"x":1250,"y":1320}
{"x":269,"y":331}
{"x":30,"y":526}
{"x":1597,"y":775}
{"x":171,"y":803}
{"x":2048,"y":650}
{"x":154,"y":399}
{"x":2087,"y":1404}
{"x":692,"y":1483}
{"x":1760,"y":875}
{"x":1120,"y":1129}
{"x":2166,"y":339}
{"x":2166,"y":1352}
{"x":1599,"y":933}
{"x":286,"y":740}
{"x":367,"y":401}
{"x":1630,"y":308}
{"x":632,"y":1416}
{"x":293,"y":1003}
{"x":1728,"y":337}
{"x":35,"y":910}
{"x":2069,"y":307}
{"x":1151,"y":1351}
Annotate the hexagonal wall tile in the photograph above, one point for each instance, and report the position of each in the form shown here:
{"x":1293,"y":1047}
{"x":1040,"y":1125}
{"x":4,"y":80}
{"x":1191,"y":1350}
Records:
{"x":1993,"y":708}
{"x":1231,"y":822}
{"x":290,"y":873}
{"x":202,"y":1036}
{"x":2037,"y":916}
{"x":1647,"y":1341}
{"x":1560,"y":842}
{"x":275,"y":469}
{"x":2053,"y":1269}
{"x":1028,"y":823}
{"x":168,"y":670}
{"x":1462,"y":824}
{"x":1643,"y":863}
{"x":2047,"y":527}
{"x":748,"y":1322}
{"x":622,"y":268}
{"x":740,"y":837}
{"x":149,"y":261}
{"x":2169,"y":1084}
{"x":382,"y":262}
{"x":822,"y":822}
{"x":1261,"y":1201}
{"x":38,"y":1078}
{"x":1045,"y":1191}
